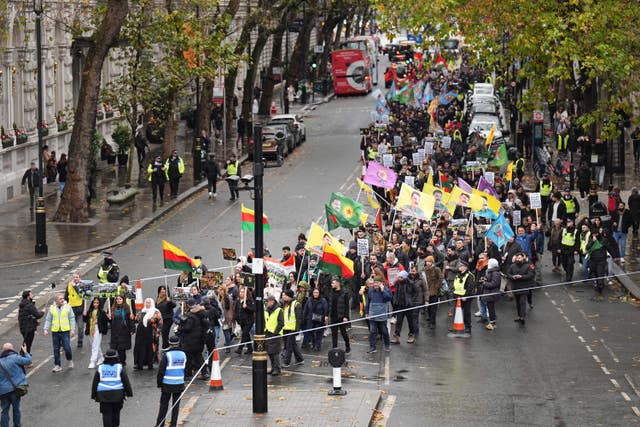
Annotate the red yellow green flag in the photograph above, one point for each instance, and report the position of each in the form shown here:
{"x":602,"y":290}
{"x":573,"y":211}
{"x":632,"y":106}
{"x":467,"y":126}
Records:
{"x":334,"y":263}
{"x":175,"y":258}
{"x":247,"y":217}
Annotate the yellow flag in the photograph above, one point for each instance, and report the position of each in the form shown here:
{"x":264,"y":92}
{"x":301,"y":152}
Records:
{"x":369,"y":192}
{"x":492,"y":203}
{"x":492,"y":133}
{"x":459,"y":197}
{"x":317,"y":237}
{"x":430,"y":180}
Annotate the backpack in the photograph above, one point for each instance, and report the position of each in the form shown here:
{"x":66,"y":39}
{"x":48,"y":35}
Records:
{"x":113,"y":274}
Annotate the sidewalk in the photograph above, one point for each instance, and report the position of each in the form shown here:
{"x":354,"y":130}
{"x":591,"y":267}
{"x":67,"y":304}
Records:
{"x":107,"y":227}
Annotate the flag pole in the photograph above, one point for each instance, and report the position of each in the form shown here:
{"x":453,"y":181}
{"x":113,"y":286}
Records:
{"x":392,"y":221}
{"x":241,"y":241}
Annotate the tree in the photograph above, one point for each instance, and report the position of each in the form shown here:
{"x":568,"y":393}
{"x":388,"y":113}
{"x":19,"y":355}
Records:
{"x":73,"y":205}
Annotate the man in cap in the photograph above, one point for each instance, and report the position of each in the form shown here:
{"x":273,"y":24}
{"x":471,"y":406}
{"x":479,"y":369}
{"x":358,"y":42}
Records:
{"x":174,"y":169}
{"x":292,"y":323}
{"x":273,"y":325}
{"x":569,"y":246}
{"x":464,"y":286}
{"x":402,"y":301}
{"x":32,"y":179}
{"x":571,"y":204}
{"x":545,"y":188}
{"x":233,"y":175}
{"x":111,"y":387}
{"x":109,"y":271}
{"x":170,"y":381}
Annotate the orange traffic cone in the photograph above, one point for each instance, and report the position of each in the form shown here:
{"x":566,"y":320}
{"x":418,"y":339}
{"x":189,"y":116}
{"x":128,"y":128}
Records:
{"x":215,"y":383}
{"x":139,"y":300}
{"x":458,"y":322}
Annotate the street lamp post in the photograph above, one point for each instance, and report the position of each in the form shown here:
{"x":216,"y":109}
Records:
{"x":41,"y":213}
{"x":259,"y":362}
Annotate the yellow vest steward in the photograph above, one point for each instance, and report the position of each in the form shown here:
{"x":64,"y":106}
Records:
{"x":570,"y":205}
{"x":545,"y":190}
{"x":232,"y":168}
{"x":568,"y":239}
{"x":74,"y":299}
{"x":458,"y":284}
{"x":150,"y":172}
{"x":457,"y":135}
{"x":290,"y":316}
{"x":584,"y":241}
{"x":60,"y":319}
{"x":271,"y":321}
{"x":372,"y":154}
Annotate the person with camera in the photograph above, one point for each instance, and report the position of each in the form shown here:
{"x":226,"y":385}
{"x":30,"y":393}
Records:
{"x":28,"y":316}
{"x":73,"y":296}
{"x":109,"y":271}
{"x":13,"y":381}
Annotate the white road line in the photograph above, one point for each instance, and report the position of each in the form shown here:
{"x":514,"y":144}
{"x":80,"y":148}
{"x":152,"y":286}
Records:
{"x":39,"y":282}
{"x":613,"y":356}
{"x":224,"y":363}
{"x":589,"y":349}
{"x":12,"y":315}
{"x":387,"y":371}
{"x":40,"y":365}
{"x":566,"y":319}
{"x":553,"y":302}
{"x":625,"y":396}
{"x":632,"y":384}
{"x":581,"y":339}
{"x":3,"y":306}
{"x":596,"y":358}
{"x":573,"y":328}
{"x":572,"y":298}
{"x":615,"y":383}
{"x":4,"y":319}
{"x":636,"y":411}
{"x":185,"y":409}
{"x":605,"y":370}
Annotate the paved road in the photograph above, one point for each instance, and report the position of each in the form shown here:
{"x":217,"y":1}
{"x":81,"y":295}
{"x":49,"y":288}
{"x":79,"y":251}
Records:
{"x":571,"y":365}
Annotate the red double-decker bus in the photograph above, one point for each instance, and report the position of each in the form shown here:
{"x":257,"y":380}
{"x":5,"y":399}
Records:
{"x":351,"y":72}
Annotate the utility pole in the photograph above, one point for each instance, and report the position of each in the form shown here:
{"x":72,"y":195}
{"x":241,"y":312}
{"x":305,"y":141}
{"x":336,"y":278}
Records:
{"x":41,"y":212}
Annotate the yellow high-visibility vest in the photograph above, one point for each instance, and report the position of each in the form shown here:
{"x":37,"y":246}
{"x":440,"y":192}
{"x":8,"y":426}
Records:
{"x":232,"y":168}
{"x":74,"y":299}
{"x":60,"y":318}
{"x":545,"y":189}
{"x":568,"y":239}
{"x":290,"y":316}
{"x":570,"y":205}
{"x":584,"y":241}
{"x":458,"y":284}
{"x":271,"y":321}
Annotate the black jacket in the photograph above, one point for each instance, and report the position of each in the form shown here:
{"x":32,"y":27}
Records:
{"x":166,"y":309}
{"x":526,"y":270}
{"x":121,"y":329}
{"x":28,"y":316}
{"x":193,"y":328}
{"x":103,"y":322}
{"x":31,"y":178}
{"x":405,"y":293}
{"x":627,"y":220}
{"x":245,"y":316}
{"x":111,"y":396}
{"x":211,"y":169}
{"x":338,"y":305}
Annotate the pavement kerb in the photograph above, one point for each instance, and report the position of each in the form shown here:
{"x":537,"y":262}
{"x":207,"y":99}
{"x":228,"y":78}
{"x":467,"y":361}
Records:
{"x":377,"y":409}
{"x":625,"y":280}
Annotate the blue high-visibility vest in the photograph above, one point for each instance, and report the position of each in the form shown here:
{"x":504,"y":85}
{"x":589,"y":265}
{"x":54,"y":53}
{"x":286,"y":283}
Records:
{"x":174,"y":373}
{"x":110,"y":379}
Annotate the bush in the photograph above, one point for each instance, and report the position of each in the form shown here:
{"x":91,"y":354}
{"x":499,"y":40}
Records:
{"x":122,"y":137}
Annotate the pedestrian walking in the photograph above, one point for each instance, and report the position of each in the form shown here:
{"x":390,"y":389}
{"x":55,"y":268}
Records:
{"x":121,"y":328}
{"x":622,"y":221}
{"x":233,"y":176}
{"x":157,"y":176}
{"x":13,"y":382}
{"x":569,"y":245}
{"x":62,"y":171}
{"x":522,"y":274}
{"x":292,"y":323}
{"x":96,"y":325}
{"x":402,"y":302}
{"x":174,"y":169}
{"x":212,"y":171}
{"x":192,"y":331}
{"x":73,"y":297}
{"x":376,"y":310}
{"x":110,"y":388}
{"x":33,"y":180}
{"x":141,"y":143}
{"x":315,"y":313}
{"x":170,"y":381}
{"x":61,"y":321}
{"x":339,"y":314}
{"x":634,"y":208}
{"x":165,"y":306}
{"x":28,"y":316}
{"x":149,"y":320}
{"x":273,"y":324}
{"x":245,"y":312}
{"x":491,"y":291}
{"x":434,"y":278}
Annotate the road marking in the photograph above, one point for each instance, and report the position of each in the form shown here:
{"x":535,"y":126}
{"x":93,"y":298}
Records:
{"x":40,"y":365}
{"x":308,"y":374}
{"x":573,"y":328}
{"x":613,"y":356}
{"x":12,"y":315}
{"x":221,"y":214}
{"x":625,"y":396}
{"x":589,"y":349}
{"x":39,"y":282}
{"x":311,"y":356}
{"x":553,"y":301}
{"x":387,"y":371}
{"x":636,"y":411}
{"x":615,"y":383}
{"x":596,"y":358}
{"x":4,"y":319}
{"x":386,"y":411}
{"x":185,"y":409}
{"x":581,"y":339}
{"x":605,"y":370}
{"x":631,"y":383}
{"x":572,"y":298}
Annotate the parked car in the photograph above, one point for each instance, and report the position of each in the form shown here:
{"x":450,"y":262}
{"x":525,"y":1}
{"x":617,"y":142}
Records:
{"x":281,"y":131}
{"x":295,"y":121}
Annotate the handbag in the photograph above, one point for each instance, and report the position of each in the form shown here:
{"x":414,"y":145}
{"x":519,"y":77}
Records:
{"x":315,"y":317}
{"x":19,"y":390}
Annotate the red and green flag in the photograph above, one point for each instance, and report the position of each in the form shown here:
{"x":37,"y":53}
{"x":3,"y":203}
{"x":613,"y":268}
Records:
{"x":333,"y":262}
{"x":175,"y":258}
{"x":247,"y":218}
{"x":445,"y":182}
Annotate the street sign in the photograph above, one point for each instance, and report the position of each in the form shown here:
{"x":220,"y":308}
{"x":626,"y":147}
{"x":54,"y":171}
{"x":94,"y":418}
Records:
{"x":318,"y":49}
{"x":535,"y":201}
{"x":538,"y":116}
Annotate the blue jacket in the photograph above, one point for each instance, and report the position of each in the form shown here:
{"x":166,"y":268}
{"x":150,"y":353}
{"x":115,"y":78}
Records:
{"x":376,"y":296}
{"x":13,"y":363}
{"x":525,"y":242}
{"x":319,"y":306}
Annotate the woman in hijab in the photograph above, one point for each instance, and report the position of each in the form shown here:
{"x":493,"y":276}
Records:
{"x":146,"y":345}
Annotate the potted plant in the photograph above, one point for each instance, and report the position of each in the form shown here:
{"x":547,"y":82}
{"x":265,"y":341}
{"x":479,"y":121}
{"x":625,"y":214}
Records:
{"x":108,"y":111}
{"x":99,"y":114}
{"x":122,"y":137}
{"x":43,"y":128}
{"x":7,"y":139}
{"x":61,"y":122}
{"x":21,"y":135}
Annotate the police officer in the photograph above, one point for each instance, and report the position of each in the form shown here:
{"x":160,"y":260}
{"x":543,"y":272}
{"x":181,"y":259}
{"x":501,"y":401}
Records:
{"x":171,"y":381}
{"x":545,"y":188}
{"x":110,"y":387}
{"x":464,"y":286}
{"x":585,"y":238}
{"x":571,"y":205}
{"x":174,"y":169}
{"x":273,"y":324}
{"x":292,"y":323}
{"x":109,"y":271}
{"x":157,"y":177}
{"x":569,"y":245}
{"x":73,"y":297}
{"x":233,"y":175}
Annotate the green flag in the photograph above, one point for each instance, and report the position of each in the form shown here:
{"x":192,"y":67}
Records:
{"x":346,"y":210}
{"x":332,"y":218}
{"x":500,"y":157}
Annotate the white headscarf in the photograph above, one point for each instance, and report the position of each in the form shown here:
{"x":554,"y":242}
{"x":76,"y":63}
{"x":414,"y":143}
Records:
{"x":149,"y":312}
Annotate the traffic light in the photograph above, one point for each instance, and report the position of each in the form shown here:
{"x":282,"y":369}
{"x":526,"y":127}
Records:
{"x":314,"y":65}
